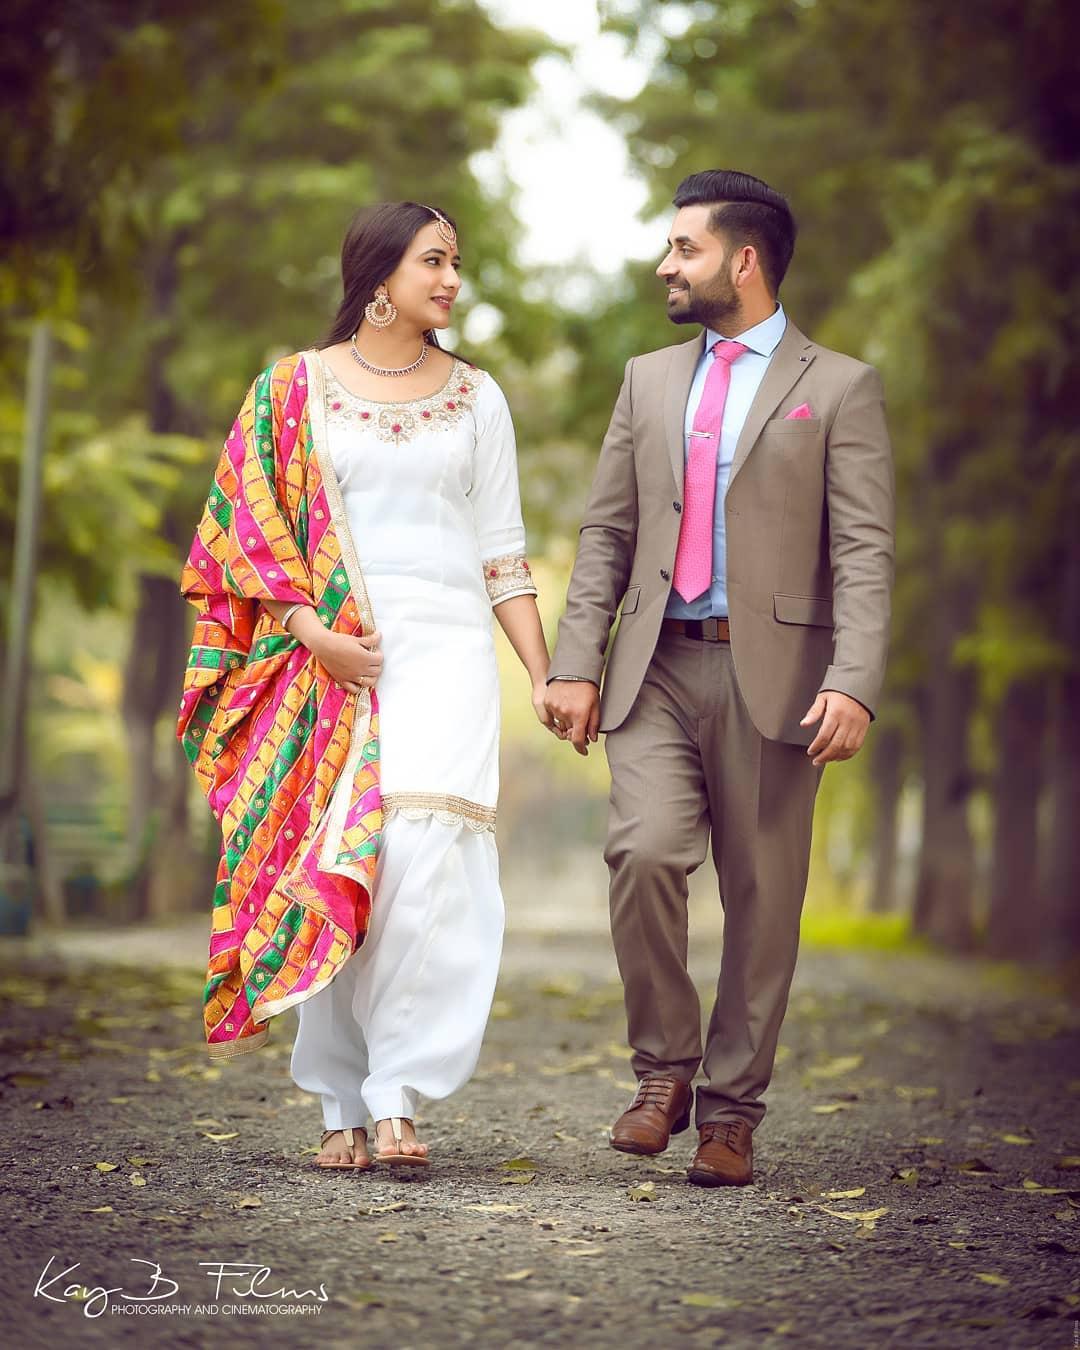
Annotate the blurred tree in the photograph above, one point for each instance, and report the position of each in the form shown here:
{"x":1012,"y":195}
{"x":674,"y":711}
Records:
{"x":210,"y":241}
{"x":937,"y":185}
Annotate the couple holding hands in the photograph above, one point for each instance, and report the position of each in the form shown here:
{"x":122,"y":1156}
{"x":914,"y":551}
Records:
{"x":341,"y":702}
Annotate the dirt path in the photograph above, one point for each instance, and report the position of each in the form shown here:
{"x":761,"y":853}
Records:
{"x":943,"y":1093}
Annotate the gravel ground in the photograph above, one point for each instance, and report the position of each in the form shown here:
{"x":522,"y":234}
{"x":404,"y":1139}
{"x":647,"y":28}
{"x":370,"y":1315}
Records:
{"x":915,"y":1185}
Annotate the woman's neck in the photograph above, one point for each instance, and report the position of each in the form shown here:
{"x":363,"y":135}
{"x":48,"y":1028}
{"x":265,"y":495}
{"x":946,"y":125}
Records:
{"x":393,"y":346}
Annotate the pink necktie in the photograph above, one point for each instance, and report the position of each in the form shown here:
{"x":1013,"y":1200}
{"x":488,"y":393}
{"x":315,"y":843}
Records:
{"x":694,"y":556}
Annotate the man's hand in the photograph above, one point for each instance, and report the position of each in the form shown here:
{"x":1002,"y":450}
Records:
{"x":574,"y":706}
{"x":844,"y":721}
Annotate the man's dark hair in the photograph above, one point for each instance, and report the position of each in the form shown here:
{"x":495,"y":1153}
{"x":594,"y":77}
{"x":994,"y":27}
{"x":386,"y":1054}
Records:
{"x":745,"y":211}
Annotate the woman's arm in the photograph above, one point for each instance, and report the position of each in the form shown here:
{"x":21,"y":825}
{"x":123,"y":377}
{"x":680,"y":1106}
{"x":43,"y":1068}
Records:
{"x":520,"y":620}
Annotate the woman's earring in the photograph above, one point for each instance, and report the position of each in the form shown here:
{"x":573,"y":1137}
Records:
{"x":380,"y":312}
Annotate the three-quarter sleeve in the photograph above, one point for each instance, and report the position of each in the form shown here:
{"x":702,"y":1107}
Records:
{"x":496,"y":499}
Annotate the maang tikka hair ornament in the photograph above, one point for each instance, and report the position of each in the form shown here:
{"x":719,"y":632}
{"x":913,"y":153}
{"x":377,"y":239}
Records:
{"x":443,"y":228}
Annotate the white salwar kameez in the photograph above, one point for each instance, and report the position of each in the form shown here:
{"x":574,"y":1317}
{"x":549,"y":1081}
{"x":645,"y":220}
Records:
{"x":431,"y":499}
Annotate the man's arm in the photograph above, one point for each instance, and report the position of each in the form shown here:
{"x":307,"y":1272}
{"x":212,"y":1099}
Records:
{"x":859,"y":494}
{"x":605,"y":551}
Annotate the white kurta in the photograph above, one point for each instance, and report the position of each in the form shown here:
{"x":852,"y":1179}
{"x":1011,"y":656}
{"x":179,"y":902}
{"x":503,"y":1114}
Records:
{"x":431,"y":498}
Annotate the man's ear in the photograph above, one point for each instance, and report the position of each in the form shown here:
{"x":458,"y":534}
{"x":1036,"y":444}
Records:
{"x":746,"y":264}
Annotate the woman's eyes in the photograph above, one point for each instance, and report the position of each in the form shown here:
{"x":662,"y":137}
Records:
{"x":438,"y":263}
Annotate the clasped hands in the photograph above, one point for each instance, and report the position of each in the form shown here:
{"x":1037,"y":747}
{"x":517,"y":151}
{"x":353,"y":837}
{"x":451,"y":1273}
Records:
{"x":354,"y":663}
{"x":573,"y":707}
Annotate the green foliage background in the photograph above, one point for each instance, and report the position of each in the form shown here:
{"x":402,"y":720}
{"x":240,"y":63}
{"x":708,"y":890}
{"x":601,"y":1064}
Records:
{"x":176,"y":182}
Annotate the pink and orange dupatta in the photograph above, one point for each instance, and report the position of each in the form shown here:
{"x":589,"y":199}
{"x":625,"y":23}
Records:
{"x":288,"y":761}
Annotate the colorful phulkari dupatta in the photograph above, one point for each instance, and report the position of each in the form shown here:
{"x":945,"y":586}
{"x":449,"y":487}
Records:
{"x":288,"y":761}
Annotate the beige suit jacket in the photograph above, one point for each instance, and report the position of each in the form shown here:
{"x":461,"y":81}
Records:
{"x":809,"y":517}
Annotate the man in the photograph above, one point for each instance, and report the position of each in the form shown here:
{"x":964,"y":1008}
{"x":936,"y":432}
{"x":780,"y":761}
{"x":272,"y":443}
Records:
{"x":742,"y":512}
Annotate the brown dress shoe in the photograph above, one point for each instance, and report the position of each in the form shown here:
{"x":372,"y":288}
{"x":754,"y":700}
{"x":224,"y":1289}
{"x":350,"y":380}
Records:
{"x":725,"y":1155}
{"x":661,"y":1108}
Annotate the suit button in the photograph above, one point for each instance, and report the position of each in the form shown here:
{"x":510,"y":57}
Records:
{"x":677,"y":506}
{"x":665,"y":575}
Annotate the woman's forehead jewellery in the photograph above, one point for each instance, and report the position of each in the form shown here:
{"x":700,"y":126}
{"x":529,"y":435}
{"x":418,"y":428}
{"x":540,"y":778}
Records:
{"x":443,"y":228}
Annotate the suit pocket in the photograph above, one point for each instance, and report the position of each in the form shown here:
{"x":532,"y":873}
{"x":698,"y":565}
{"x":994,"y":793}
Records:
{"x":806,"y":609}
{"x":630,"y":599}
{"x":792,"y":424}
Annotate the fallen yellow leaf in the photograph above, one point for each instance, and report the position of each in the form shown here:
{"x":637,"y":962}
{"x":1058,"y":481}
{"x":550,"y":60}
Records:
{"x":1016,"y":1139}
{"x":834,"y":1068}
{"x":137,"y":1179}
{"x":248,"y":1202}
{"x":646,"y":1191}
{"x":220,"y":1138}
{"x":862,"y":1216}
{"x":493,"y":1209}
{"x":388,"y":1237}
{"x":515,"y":1275}
{"x":844,"y":1195}
{"x":1071,"y":1160}
{"x":106,"y":1167}
{"x":119,"y":1101}
{"x":584,"y":1251}
{"x":988,"y":1277}
{"x":710,"y":1301}
{"x":517,"y":1179}
{"x":521,"y":1165}
{"x":829,"y":1109}
{"x":101,"y":1209}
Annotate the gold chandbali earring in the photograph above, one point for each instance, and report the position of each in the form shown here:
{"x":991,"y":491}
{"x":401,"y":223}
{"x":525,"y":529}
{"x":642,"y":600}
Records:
{"x":381,"y":311}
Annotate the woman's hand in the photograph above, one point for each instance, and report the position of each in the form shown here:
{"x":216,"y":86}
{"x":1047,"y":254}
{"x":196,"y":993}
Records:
{"x":539,"y":702}
{"x":354,"y":662}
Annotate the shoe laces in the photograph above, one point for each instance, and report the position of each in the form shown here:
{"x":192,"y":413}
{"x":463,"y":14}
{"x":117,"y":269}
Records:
{"x":654,"y":1091}
{"x":727,"y":1131}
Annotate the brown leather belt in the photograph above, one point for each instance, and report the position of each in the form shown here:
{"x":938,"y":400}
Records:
{"x":702,"y":630}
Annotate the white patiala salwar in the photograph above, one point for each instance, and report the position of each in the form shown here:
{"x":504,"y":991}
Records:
{"x":430,"y":494}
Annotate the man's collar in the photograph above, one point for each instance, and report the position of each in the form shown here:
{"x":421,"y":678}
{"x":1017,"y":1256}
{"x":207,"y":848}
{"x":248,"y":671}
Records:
{"x":763,"y":338}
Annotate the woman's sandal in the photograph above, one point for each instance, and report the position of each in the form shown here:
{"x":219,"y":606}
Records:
{"x":350,"y":1139}
{"x":397,"y":1158}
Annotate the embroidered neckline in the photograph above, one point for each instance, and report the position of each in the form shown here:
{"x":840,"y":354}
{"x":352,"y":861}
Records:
{"x":396,"y":423}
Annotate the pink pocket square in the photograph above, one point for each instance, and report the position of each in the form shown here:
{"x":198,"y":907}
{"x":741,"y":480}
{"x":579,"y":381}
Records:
{"x":803,"y":410}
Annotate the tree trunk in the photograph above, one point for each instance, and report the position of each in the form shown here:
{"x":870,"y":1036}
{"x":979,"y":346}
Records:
{"x":887,"y":781}
{"x":154,"y":671}
{"x":945,"y":889}
{"x":1014,"y":921}
{"x":1060,"y":909}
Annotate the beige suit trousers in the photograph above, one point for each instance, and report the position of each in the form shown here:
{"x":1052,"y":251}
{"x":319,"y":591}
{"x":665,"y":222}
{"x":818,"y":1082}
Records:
{"x":688,"y":763}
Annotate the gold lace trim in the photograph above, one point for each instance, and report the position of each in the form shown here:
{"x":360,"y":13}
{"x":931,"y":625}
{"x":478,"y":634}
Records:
{"x":446,"y":809}
{"x":403,"y":421}
{"x":508,"y":576}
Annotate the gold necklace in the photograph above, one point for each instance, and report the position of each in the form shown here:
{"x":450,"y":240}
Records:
{"x":385,"y":370}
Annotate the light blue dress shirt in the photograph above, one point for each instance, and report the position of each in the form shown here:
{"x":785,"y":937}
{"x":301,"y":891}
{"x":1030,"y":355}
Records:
{"x":746,"y":376}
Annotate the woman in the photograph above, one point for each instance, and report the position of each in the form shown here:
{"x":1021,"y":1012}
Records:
{"x":354,"y":767}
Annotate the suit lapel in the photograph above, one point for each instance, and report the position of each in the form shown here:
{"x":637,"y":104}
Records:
{"x":793,"y":355}
{"x":680,"y":377}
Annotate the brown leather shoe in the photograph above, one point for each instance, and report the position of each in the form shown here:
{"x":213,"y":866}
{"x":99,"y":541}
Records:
{"x":725,"y":1155}
{"x":661,"y":1108}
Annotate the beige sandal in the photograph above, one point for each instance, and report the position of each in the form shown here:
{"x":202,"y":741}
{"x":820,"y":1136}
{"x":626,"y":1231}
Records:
{"x":350,"y":1139}
{"x":399,"y":1159}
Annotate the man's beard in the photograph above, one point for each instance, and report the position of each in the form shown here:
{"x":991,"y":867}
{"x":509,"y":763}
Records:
{"x":713,"y":304}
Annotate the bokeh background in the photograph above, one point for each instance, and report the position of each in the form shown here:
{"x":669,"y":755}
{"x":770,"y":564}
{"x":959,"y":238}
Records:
{"x":176,"y":181}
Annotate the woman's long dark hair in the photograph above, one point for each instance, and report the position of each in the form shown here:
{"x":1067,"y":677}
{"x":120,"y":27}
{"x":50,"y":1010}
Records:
{"x":375,"y":243}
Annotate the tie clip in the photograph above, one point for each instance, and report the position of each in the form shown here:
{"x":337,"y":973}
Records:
{"x":699,"y":433}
